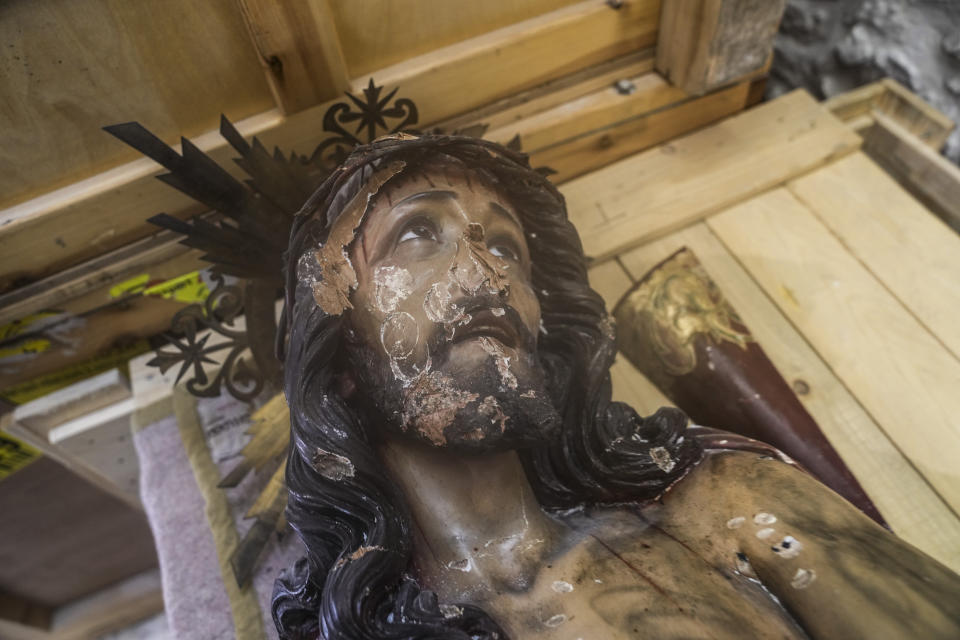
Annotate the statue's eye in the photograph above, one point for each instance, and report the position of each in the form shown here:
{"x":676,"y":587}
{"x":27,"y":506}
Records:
{"x":505,"y":251}
{"x":418,"y":230}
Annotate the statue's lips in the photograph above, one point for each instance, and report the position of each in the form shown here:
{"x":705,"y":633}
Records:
{"x":486,"y":324}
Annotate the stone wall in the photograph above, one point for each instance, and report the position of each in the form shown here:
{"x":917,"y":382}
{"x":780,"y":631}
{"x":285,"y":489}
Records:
{"x":832,"y":46}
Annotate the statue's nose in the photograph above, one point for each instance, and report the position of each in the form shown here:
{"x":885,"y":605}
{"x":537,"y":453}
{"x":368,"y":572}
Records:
{"x":475,"y":268}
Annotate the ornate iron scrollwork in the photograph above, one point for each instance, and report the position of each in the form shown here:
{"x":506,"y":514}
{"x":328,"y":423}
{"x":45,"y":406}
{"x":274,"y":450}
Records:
{"x":372,"y":114}
{"x":217,"y":313}
{"x":242,"y":247}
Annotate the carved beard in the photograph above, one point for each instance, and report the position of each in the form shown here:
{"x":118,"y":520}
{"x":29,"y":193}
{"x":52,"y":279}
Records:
{"x":498,"y":403}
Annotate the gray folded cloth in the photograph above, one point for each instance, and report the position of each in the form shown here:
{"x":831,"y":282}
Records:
{"x":186,"y":445}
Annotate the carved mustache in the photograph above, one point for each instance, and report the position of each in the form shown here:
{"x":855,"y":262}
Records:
{"x":509,"y":327}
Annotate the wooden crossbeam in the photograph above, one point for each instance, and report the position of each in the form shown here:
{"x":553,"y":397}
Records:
{"x":65,"y":227}
{"x":299,"y":48}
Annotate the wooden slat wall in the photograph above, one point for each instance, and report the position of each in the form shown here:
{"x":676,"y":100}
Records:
{"x":65,"y":227}
{"x":68,"y":68}
{"x":377,"y":33}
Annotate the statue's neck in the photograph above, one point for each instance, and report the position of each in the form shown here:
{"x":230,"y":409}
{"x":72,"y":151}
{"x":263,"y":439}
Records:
{"x":477,"y":525}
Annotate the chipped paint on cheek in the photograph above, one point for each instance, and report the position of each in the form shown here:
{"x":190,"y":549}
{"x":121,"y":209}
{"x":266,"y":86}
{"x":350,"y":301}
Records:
{"x":438,"y":304}
{"x":502,"y":360}
{"x":803,"y":578}
{"x":392,"y":285}
{"x":765,"y":533}
{"x":561,"y":587}
{"x":736,"y":523}
{"x":662,"y":459}
{"x":399,"y":334}
{"x":328,"y":270}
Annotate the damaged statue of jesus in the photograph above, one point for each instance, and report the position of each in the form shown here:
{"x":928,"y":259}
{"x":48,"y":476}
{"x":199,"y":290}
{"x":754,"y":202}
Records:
{"x":457,"y":466}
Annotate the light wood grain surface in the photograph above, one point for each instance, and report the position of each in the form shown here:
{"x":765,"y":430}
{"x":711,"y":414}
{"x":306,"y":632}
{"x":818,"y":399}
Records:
{"x":70,"y":68}
{"x":901,"y":374}
{"x":909,"y":250}
{"x":666,"y":188}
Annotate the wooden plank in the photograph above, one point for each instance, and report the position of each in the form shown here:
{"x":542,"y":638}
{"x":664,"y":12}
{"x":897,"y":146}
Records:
{"x":706,"y":44}
{"x":86,"y":426}
{"x":595,"y":110}
{"x":377,"y":34}
{"x":524,"y":104}
{"x":926,"y":174}
{"x":856,"y":102}
{"x":175,"y":64}
{"x":115,"y":607}
{"x":595,"y":149}
{"x":912,"y":252}
{"x":610,"y":280}
{"x":926,"y":122}
{"x":464,"y":75}
{"x":899,"y":372}
{"x":77,"y":338}
{"x":665,"y":188}
{"x":299,"y":48}
{"x":101,"y":442}
{"x":896,"y":102}
{"x":44,"y":414}
{"x":111,"y":609}
{"x":96,"y":276}
{"x":914,"y":511}
{"x":65,"y":227}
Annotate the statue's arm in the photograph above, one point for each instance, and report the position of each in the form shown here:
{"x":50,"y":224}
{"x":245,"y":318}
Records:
{"x":839,"y":573}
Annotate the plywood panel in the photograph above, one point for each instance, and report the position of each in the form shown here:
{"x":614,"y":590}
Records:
{"x":64,"y":539}
{"x":911,"y":251}
{"x":900,"y":373}
{"x":914,"y":511}
{"x":667,"y":187}
{"x":69,"y":68}
{"x":379,"y":33}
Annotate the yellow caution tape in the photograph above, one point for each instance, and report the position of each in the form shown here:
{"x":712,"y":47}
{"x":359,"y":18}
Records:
{"x":14,"y":455}
{"x":31,"y":345}
{"x":135,"y":284}
{"x":22,"y":325}
{"x":188,"y":288}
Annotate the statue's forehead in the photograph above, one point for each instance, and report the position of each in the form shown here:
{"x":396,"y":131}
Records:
{"x":451,"y":188}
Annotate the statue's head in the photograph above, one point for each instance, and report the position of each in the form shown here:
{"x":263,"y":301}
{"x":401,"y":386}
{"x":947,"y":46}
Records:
{"x":437,"y":291}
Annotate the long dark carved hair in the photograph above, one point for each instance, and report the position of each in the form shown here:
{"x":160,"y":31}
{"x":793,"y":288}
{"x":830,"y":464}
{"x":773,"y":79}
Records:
{"x":355,"y":581}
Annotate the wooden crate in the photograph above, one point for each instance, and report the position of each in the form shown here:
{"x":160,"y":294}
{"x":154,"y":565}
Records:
{"x":848,"y":283}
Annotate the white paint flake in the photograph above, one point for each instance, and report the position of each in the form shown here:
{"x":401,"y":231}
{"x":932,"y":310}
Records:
{"x":561,"y":587}
{"x":803,"y":578}
{"x":764,"y":518}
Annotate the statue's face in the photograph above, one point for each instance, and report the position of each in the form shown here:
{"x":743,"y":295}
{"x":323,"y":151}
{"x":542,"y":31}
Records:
{"x":445,"y":318}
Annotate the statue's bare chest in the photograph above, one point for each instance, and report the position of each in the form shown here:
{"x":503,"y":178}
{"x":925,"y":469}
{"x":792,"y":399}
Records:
{"x":622,"y":579}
